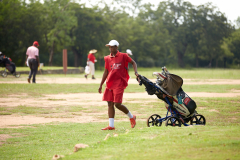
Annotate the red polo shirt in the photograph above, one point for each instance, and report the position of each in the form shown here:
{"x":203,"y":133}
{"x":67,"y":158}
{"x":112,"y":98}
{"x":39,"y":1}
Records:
{"x":91,"y":57}
{"x":117,"y":70}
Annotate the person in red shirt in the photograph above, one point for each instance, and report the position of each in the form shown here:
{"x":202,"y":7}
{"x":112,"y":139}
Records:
{"x":90,"y":62}
{"x":116,"y":73}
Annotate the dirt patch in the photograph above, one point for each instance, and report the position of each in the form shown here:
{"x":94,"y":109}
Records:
{"x":11,"y":120}
{"x":90,"y":99}
{"x":235,"y":90}
{"x":232,"y":118}
{"x":98,"y":97}
{"x":85,"y":100}
{"x":67,"y":80}
{"x":213,"y":110}
{"x":3,"y":138}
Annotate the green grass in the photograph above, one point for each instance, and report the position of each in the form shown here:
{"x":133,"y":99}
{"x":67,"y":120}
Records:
{"x":195,"y":73}
{"x":208,"y":142}
{"x":189,"y":73}
{"x":41,"y":89}
{"x":219,"y":139}
{"x":44,"y":68}
{"x":24,"y":110}
{"x":42,"y":112}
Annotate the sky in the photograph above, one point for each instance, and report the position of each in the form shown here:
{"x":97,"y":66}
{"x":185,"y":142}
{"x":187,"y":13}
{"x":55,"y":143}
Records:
{"x":231,"y":8}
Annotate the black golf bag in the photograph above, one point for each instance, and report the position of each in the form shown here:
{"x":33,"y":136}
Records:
{"x":7,"y":62}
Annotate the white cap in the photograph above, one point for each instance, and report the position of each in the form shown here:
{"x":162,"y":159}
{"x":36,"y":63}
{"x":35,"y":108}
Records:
{"x":112,"y":43}
{"x":129,"y":51}
{"x":0,"y":52}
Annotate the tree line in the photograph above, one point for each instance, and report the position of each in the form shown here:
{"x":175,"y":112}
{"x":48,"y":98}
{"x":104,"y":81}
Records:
{"x":176,"y":33}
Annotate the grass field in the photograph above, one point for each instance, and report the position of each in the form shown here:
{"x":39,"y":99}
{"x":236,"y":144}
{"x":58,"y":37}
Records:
{"x":218,"y":140}
{"x":199,"y":73}
{"x":41,"y":89}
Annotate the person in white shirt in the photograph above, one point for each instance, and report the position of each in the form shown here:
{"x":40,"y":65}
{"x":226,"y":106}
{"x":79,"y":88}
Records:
{"x":32,"y":58}
{"x":129,"y":52}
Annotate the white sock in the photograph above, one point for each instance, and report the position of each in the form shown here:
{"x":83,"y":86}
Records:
{"x":130,"y":115}
{"x":111,"y":122}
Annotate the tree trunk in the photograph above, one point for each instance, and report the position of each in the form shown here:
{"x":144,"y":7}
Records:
{"x":76,"y":57}
{"x":210,"y":64}
{"x":80,"y":57}
{"x":99,"y":62}
{"x":180,"y":59}
{"x":76,"y":61}
{"x":224,"y":62}
{"x":51,"y":55}
{"x":181,"y":53}
{"x":197,"y":64}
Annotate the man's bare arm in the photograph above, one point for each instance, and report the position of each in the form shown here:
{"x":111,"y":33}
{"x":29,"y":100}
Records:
{"x":104,"y":77}
{"x":134,"y":64}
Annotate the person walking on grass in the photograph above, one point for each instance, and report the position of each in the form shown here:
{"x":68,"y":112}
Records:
{"x":90,"y":62}
{"x":129,"y":52}
{"x":32,"y":59}
{"x":117,"y":77}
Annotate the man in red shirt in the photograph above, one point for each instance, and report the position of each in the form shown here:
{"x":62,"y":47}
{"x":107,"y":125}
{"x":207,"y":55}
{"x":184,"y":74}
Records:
{"x":116,"y":73}
{"x":90,"y":62}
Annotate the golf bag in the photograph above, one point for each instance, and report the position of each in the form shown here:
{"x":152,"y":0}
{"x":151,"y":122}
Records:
{"x":8,"y":64}
{"x":169,"y":85}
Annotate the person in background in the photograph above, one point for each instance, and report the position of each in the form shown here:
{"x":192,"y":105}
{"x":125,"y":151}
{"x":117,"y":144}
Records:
{"x":90,"y":62}
{"x":32,"y":57}
{"x":117,"y":80}
{"x":1,"y":56}
{"x":129,"y":52}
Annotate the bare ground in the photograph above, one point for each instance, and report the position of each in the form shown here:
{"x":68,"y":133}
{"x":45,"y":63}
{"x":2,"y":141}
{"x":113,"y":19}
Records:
{"x":67,"y":80}
{"x":85,"y":100}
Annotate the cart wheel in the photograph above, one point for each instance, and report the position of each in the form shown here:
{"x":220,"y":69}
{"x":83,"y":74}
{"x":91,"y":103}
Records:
{"x":17,"y":75}
{"x":198,"y":119}
{"x":173,"y":121}
{"x":153,"y":120}
{"x":4,"y":74}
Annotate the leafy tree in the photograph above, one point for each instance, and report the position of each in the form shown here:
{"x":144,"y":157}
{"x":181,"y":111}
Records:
{"x":59,"y":20}
{"x":175,"y":31}
{"x":208,"y":29}
{"x":91,"y":32}
{"x":19,"y":27}
{"x":151,"y":38}
{"x":238,"y":22}
{"x":234,"y":45}
{"x":10,"y":25}
{"x":215,"y":29}
{"x":198,"y":29}
{"x":170,"y":22}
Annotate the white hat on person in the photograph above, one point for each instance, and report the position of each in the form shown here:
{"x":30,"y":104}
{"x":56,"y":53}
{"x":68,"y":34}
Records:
{"x":129,"y":51}
{"x":112,"y":43}
{"x":93,"y":51}
{"x":0,"y":52}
